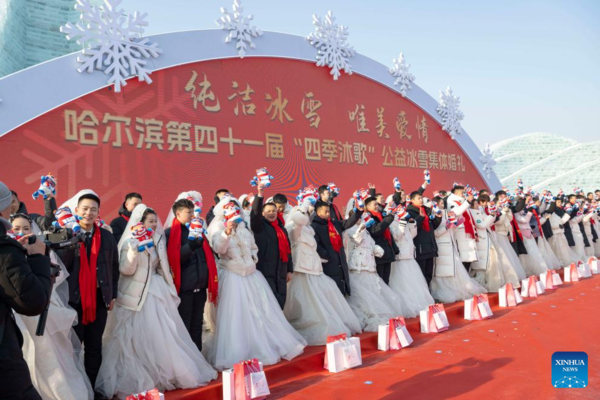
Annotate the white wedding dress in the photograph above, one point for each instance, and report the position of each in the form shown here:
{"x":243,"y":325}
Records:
{"x":406,"y":277}
{"x":149,"y":348}
{"x":448,"y":288}
{"x":373,"y":302}
{"x":55,"y":360}
{"x":314,"y":305}
{"x":249,"y":321}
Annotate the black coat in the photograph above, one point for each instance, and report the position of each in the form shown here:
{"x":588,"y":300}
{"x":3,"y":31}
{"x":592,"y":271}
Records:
{"x":567,"y":226}
{"x":377,"y":232}
{"x":336,"y":266}
{"x":194,"y":270}
{"x":43,"y":221}
{"x":425,"y":244}
{"x":517,"y":244}
{"x":269,"y":262}
{"x":210,"y":215}
{"x":24,"y":284}
{"x":119,"y":224}
{"x":107,"y":268}
{"x":586,"y":240}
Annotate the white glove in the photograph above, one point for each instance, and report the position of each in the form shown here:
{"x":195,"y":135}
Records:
{"x":307,"y":203}
{"x":361,"y":227}
{"x":323,"y":261}
{"x":378,"y":251}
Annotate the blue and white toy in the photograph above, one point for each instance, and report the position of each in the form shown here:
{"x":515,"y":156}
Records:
{"x":427,"y":176}
{"x":262,"y":176}
{"x":397,"y":184}
{"x":47,"y":187}
{"x":196,"y":227}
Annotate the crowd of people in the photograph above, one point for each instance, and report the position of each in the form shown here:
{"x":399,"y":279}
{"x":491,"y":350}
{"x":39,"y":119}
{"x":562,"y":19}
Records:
{"x":138,"y":304}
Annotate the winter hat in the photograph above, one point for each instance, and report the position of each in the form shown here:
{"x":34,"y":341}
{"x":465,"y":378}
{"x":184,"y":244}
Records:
{"x":5,"y":196}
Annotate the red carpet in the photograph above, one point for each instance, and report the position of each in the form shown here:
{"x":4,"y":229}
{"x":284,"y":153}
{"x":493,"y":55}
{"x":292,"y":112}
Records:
{"x":506,"y":356}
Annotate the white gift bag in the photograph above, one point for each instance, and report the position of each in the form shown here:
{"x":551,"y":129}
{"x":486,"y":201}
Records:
{"x":568,"y":273}
{"x":485,"y":309}
{"x":383,"y":339}
{"x":338,"y":358}
{"x":594,"y":266}
{"x":258,"y":385}
{"x":584,"y":270}
{"x":228,"y":385}
{"x":403,"y":336}
{"x":540,"y":287}
{"x":556,"y":279}
{"x":351,"y":358}
{"x":440,"y":320}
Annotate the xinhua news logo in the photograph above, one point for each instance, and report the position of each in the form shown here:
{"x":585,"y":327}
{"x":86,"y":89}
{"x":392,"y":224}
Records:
{"x":569,"y":369}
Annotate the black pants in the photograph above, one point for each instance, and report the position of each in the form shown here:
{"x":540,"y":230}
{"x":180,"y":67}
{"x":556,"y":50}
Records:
{"x":384,"y":270}
{"x":427,"y":269}
{"x":191,"y":310}
{"x":91,"y":337}
{"x":467,"y":265}
{"x":15,"y":381}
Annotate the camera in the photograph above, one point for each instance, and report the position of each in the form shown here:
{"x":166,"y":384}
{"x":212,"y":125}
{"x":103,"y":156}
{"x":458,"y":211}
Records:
{"x":59,"y":238}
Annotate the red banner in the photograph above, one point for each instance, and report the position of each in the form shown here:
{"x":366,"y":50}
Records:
{"x":211,"y":124}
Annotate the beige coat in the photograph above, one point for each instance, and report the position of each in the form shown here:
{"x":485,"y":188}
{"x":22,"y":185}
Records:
{"x":136,"y":272}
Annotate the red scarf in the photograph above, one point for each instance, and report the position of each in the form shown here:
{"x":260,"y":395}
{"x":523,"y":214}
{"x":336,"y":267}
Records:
{"x":174,"y":256}
{"x":280,"y":218}
{"x":174,"y":252}
{"x":535,"y":214}
{"x":125,"y":217}
{"x":87,"y":277}
{"x":213,"y":276}
{"x":284,"y":245}
{"x":334,"y":236}
{"x":488,"y":213}
{"x":386,"y":234}
{"x":470,"y":226}
{"x":337,"y":212}
{"x":425,"y":225}
{"x":516,"y":230}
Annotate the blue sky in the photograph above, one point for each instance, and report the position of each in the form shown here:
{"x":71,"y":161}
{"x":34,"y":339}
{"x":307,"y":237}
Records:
{"x":518,"y":66}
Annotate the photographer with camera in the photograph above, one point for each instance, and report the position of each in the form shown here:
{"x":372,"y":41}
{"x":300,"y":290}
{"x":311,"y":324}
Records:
{"x":25,"y":288}
{"x":49,"y":348}
{"x":93,"y":267}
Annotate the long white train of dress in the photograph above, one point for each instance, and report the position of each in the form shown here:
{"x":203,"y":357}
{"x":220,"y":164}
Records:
{"x":55,"y":359}
{"x":408,"y":282}
{"x":316,"y":308}
{"x":532,"y":262}
{"x":461,"y":286}
{"x":373,"y":302}
{"x":150,"y":348}
{"x":249,"y":324}
{"x":546,"y":250}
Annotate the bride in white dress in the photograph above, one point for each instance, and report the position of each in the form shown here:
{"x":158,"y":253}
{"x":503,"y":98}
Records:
{"x":451,"y":281}
{"x":406,"y":277}
{"x":249,"y":321}
{"x":314,"y":305}
{"x":54,"y":359}
{"x":533,"y":262}
{"x":146,"y":344}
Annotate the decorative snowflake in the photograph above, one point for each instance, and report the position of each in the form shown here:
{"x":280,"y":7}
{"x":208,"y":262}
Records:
{"x":330,"y":40}
{"x":487,"y":160}
{"x":451,"y":115}
{"x":239,"y":27}
{"x":112,"y":42}
{"x":402,"y":75}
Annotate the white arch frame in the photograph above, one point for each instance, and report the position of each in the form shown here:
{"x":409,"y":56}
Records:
{"x":34,"y":91}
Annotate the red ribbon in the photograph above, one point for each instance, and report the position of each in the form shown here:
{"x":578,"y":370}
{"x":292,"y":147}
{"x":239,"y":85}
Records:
{"x":537,"y":217}
{"x":284,"y":245}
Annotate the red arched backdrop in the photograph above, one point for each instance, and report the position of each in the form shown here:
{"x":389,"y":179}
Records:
{"x":211,"y":124}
